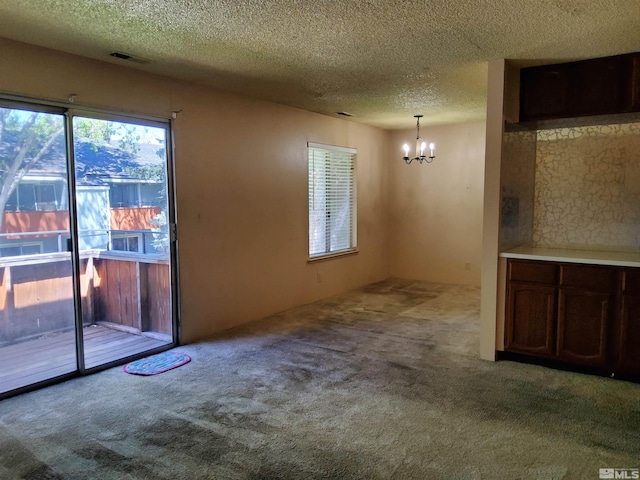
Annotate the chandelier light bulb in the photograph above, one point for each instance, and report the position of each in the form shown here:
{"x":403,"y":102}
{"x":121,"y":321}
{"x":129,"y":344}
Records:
{"x":421,"y":147}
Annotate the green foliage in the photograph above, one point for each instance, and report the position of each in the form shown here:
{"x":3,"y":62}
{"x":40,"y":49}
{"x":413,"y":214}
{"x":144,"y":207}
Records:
{"x":100,"y":132}
{"x":24,"y":138}
{"x":23,"y":133}
{"x":159,"y":222}
{"x":128,"y":137}
{"x":96,"y":132}
{"x":146,"y":172}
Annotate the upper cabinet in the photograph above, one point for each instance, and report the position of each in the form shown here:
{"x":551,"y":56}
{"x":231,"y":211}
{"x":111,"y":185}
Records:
{"x":600,"y":86}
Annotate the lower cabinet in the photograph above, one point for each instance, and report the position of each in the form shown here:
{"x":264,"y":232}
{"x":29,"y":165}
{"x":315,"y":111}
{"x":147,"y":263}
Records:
{"x":576,"y":314}
{"x":535,"y":308}
{"x":628,"y":337}
{"x":583,"y":318}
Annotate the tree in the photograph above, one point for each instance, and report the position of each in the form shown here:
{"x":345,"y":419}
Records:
{"x":29,"y":139}
{"x":97,"y":132}
{"x":24,"y":138}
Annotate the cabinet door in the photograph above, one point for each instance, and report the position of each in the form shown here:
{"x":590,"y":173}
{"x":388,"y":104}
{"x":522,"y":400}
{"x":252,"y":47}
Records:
{"x":635,"y":83}
{"x":530,"y":319}
{"x":544,"y":92}
{"x":583,"y":318}
{"x":629,"y":339}
{"x":601,"y":85}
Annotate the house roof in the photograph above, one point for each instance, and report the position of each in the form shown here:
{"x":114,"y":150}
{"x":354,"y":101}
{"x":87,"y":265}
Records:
{"x":381,"y":60}
{"x":98,"y":164}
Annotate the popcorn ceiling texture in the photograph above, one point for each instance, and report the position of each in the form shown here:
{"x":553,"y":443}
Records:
{"x":382,"y":60}
{"x":587,"y":188}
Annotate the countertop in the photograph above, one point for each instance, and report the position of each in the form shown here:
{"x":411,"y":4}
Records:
{"x":590,"y":257}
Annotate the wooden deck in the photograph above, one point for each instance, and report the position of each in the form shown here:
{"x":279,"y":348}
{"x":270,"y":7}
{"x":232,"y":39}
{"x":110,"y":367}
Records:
{"x":48,"y":357}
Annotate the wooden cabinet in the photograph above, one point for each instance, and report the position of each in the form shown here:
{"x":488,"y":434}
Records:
{"x":576,"y":314}
{"x":627,"y":342}
{"x":635,"y":88}
{"x":583,"y":319}
{"x":532,"y":300}
{"x":544,"y":92}
{"x":601,"y":86}
{"x":535,"y":308}
{"x":598,"y":86}
{"x":584,"y":313}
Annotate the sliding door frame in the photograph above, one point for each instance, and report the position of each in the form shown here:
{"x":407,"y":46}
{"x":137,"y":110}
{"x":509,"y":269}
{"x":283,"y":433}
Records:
{"x":70,"y":111}
{"x":74,"y":241}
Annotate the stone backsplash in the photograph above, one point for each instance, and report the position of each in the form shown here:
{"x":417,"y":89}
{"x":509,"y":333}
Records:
{"x":587,"y":187}
{"x":517,"y":183}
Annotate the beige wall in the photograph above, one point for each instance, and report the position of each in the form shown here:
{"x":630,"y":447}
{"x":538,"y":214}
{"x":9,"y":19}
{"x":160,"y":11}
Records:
{"x":436,"y":209}
{"x":241,"y":180}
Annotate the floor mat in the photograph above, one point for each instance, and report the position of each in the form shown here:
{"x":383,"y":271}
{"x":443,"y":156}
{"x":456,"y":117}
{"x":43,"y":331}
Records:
{"x":157,"y":363}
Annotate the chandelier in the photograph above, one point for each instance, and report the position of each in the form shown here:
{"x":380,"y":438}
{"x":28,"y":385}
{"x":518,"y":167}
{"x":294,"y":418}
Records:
{"x":421,"y":147}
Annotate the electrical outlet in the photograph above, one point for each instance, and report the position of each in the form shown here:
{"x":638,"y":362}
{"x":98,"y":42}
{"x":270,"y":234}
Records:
{"x":467,"y":266}
{"x":318,"y":278}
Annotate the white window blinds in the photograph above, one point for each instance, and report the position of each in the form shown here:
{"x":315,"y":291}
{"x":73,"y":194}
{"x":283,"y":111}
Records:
{"x":331,"y":200}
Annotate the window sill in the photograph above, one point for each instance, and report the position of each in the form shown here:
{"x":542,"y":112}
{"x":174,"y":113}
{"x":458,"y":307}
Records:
{"x":332,"y":255}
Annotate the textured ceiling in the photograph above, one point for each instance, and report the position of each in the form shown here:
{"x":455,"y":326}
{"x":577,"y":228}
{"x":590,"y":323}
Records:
{"x":382,"y":61}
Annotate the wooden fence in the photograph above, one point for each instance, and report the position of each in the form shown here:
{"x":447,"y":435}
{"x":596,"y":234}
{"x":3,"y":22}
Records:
{"x":128,"y":290}
{"x":133,"y":290}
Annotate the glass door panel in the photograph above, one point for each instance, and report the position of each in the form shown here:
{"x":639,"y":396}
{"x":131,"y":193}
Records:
{"x":37,"y":312}
{"x":123,"y":237}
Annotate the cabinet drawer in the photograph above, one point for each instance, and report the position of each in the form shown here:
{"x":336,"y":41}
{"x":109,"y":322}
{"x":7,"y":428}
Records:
{"x":533,"y":272}
{"x":597,"y":279}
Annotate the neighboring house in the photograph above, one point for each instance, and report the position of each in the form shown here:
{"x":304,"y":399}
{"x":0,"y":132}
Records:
{"x":118,"y":195}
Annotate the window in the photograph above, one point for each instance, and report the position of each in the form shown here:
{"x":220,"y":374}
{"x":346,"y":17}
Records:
{"x":127,"y":242}
{"x":123,"y":195}
{"x":15,"y":250}
{"x":151,"y":195}
{"x":331,"y":200}
{"x":35,"y":197}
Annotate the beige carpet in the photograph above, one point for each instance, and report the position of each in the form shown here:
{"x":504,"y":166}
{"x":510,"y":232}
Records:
{"x":379,"y":383}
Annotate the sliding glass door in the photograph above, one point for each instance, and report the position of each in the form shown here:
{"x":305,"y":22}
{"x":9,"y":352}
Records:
{"x":85,"y":252}
{"x":123,"y":237}
{"x":37,"y":322}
